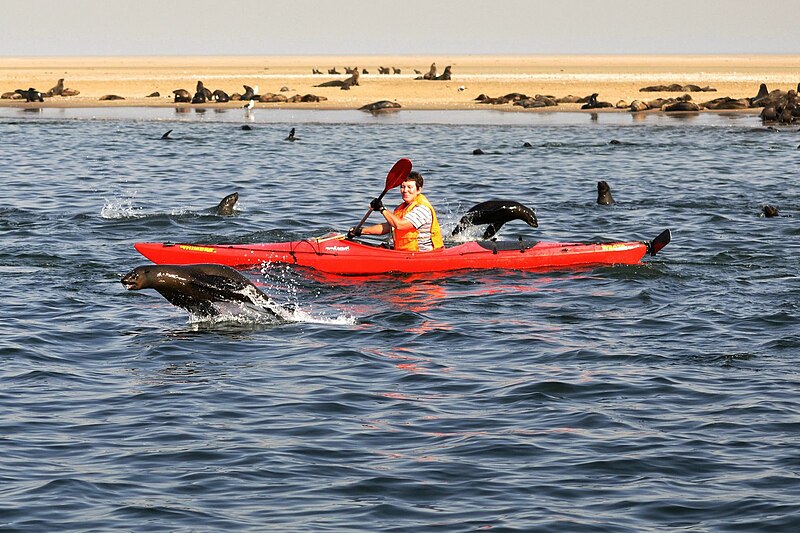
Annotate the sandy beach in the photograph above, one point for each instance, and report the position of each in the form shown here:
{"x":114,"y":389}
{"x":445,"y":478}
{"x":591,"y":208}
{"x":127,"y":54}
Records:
{"x":615,"y":78}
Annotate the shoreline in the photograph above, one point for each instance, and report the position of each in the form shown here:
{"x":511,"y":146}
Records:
{"x":617,"y":79}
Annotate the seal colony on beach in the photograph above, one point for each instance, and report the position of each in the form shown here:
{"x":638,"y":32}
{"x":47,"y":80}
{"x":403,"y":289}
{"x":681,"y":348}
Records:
{"x":562,"y":83}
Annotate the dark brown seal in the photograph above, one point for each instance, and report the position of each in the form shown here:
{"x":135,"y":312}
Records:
{"x":593,"y":103}
{"x":197,"y":288}
{"x":604,"y":193}
{"x":31,"y":95}
{"x":382,"y":105}
{"x":495,"y":213}
{"x":58,"y":89}
{"x":182,"y":95}
{"x":226,"y":205}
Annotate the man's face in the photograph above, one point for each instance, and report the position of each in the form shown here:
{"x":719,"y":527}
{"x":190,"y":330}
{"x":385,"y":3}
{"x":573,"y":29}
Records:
{"x":409,"y":191}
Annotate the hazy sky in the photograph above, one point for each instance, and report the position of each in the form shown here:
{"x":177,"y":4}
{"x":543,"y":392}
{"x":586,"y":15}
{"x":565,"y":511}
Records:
{"x":312,"y":27}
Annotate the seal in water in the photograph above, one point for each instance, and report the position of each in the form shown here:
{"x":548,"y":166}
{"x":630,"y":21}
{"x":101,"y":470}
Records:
{"x":495,"y":213}
{"x":225,"y":207}
{"x":770,"y":211}
{"x":604,"y":193}
{"x":197,"y":288}
{"x":291,"y":136}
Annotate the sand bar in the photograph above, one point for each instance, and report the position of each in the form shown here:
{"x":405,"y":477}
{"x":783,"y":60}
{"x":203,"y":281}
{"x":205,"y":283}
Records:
{"x":614,"y":78}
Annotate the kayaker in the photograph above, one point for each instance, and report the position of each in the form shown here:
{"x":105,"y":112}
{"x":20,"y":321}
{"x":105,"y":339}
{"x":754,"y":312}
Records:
{"x":413,"y":222}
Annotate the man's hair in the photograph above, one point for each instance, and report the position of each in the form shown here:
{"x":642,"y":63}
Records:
{"x":415,"y":176}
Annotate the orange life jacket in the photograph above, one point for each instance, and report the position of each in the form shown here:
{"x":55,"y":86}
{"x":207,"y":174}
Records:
{"x":407,"y":240}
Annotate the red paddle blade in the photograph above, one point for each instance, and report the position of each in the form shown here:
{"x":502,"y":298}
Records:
{"x":398,"y":173}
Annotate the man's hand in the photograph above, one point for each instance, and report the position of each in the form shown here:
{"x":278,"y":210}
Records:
{"x":376,"y":205}
{"x":354,"y":232}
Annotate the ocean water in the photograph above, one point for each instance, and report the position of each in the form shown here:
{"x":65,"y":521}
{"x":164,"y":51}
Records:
{"x":663,"y":396}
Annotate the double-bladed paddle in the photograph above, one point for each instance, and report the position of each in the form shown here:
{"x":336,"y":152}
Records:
{"x":396,"y":176}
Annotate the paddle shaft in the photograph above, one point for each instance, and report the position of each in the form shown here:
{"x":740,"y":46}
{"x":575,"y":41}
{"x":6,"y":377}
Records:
{"x":369,"y":211}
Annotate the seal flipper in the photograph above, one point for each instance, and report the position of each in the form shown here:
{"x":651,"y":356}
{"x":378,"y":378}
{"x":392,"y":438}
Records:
{"x":191,"y":303}
{"x":491,"y":230}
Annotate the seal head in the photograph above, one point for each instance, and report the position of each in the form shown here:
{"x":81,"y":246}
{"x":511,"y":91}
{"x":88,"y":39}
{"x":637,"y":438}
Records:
{"x":604,"y":193}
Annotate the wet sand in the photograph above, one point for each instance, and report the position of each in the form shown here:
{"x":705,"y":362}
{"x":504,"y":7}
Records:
{"x":614,"y":78}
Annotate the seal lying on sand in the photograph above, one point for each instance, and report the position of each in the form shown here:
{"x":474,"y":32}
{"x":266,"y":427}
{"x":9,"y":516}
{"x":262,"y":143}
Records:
{"x":220,"y":96}
{"x":382,"y":105}
{"x":592,"y":103}
{"x":182,"y":95}
{"x":31,"y":95}
{"x":343,"y":84}
{"x":58,"y":89}
{"x":495,"y":213}
{"x":604,"y":193}
{"x":201,"y":288}
{"x":446,"y":75}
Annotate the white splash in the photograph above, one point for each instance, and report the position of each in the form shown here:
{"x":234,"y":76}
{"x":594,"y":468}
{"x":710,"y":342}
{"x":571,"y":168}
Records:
{"x":263,"y":309}
{"x":116,"y":208}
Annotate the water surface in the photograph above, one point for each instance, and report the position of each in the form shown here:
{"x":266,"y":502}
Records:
{"x":662,"y":396}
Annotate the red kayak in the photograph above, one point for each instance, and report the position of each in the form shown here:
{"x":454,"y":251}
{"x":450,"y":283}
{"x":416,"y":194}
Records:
{"x":335,"y":254}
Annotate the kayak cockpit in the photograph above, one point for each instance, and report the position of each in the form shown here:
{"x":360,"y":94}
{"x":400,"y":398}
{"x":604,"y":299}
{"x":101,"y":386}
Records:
{"x":505,"y":246}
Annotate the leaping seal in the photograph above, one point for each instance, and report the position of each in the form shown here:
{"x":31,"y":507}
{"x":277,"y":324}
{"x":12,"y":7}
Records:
{"x":201,"y":288}
{"x":495,"y":213}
